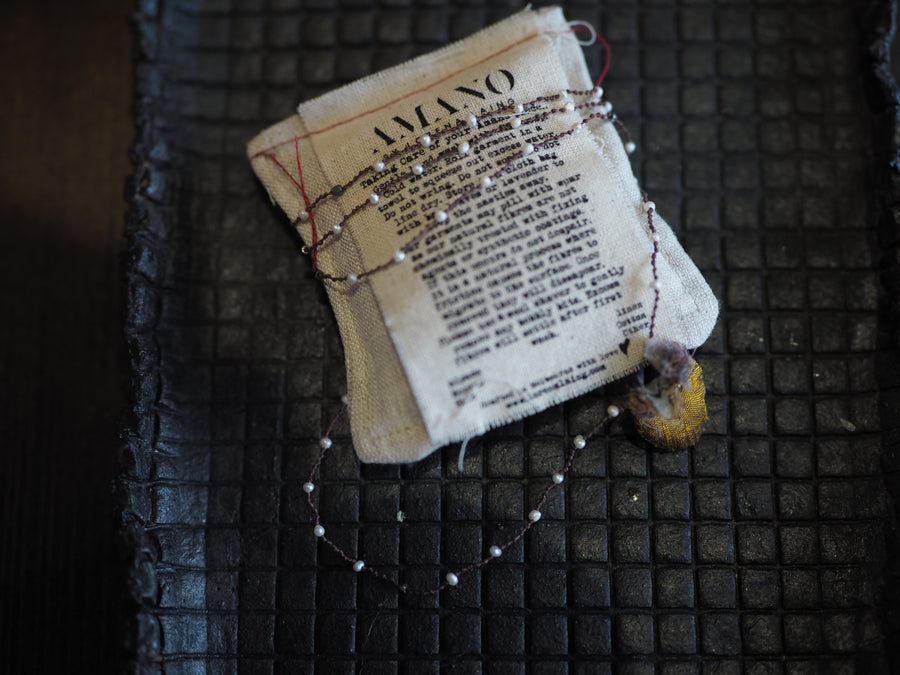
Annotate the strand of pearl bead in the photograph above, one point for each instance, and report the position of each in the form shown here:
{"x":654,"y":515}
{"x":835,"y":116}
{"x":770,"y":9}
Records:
{"x":579,"y":442}
{"x":419,"y":169}
{"x":400,"y":255}
{"x":451,"y":578}
{"x":425,"y":141}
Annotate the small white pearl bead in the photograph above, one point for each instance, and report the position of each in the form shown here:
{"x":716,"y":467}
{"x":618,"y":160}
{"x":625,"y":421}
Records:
{"x":569,"y":106}
{"x":606,"y":108}
{"x":325,"y":442}
{"x":337,"y":229}
{"x":579,"y":442}
{"x":598,"y":91}
{"x":319,"y":531}
{"x":486,"y":181}
{"x":464,"y":149}
{"x":515,"y":123}
{"x":558,"y":478}
{"x":418,"y":169}
{"x":472,"y":120}
{"x":374,"y":198}
{"x":613,"y":411}
{"x":452,"y":579}
{"x":648,"y":206}
{"x":441,"y":216}
{"x":425,"y":141}
{"x":655,"y":237}
{"x":303,"y":216}
{"x":655,"y":285}
{"x":630,"y":147}
{"x":352,"y":279}
{"x":495,"y":551}
{"x":399,"y":256}
{"x":534,"y":516}
{"x":358,"y":566}
{"x":563,"y":94}
{"x":308,"y":487}
{"x":528,"y":149}
{"x":378,"y":166}
{"x":519,"y":108}
{"x":345,"y":399}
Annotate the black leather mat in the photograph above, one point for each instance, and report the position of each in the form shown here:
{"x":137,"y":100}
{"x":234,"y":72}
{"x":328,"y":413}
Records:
{"x":765,"y":138}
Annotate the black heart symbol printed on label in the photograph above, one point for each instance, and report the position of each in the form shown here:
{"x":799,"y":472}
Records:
{"x":624,"y":346}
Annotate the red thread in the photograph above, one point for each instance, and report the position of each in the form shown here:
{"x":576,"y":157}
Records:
{"x":607,"y":61}
{"x":284,"y":170}
{"x":300,"y":187}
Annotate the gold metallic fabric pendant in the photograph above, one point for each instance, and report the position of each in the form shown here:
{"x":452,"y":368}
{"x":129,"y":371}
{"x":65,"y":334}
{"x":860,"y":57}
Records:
{"x":684,"y":429}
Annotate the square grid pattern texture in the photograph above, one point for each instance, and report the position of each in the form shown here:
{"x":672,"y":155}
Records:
{"x":764,"y":549}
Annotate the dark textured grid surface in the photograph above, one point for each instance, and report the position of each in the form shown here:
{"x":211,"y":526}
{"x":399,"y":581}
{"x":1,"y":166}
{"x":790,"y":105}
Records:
{"x":761,"y":550}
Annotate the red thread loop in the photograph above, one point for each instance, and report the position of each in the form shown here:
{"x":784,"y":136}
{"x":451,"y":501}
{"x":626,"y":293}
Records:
{"x":607,"y":50}
{"x":302,"y":188}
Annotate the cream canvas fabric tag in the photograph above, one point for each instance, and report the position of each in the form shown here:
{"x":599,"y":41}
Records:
{"x":492,"y":255}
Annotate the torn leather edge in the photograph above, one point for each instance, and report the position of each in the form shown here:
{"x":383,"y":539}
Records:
{"x":151,"y":195}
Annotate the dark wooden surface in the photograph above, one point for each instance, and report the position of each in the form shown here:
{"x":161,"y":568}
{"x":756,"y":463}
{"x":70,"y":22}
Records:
{"x":65,"y":129}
